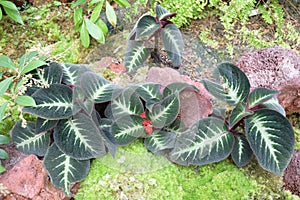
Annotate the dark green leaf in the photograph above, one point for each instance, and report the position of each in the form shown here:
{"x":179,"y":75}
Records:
{"x":53,"y":103}
{"x":260,"y":95}
{"x":146,"y":25}
{"x":128,"y":103}
{"x":159,"y":141}
{"x":135,"y":56}
{"x":165,"y":112}
{"x":63,"y":169}
{"x":43,"y":125}
{"x":177,"y":127}
{"x":27,"y":141}
{"x":271,"y":138}
{"x":127,"y":129}
{"x":178,"y":87}
{"x":161,"y":12}
{"x":149,"y":91}
{"x":238,"y":113}
{"x":84,"y":139}
{"x":206,"y":142}
{"x":173,"y":43}
{"x":241,"y":153}
{"x":72,"y":72}
{"x":97,"y":88}
{"x":235,"y":86}
{"x":273,"y":104}
{"x":110,"y":14}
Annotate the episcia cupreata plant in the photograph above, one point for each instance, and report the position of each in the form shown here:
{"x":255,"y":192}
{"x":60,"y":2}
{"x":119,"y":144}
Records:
{"x":256,"y":126}
{"x":147,"y":28}
{"x":68,"y":130}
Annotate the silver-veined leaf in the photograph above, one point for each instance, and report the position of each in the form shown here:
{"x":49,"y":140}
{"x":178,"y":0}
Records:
{"x":128,"y":103}
{"x":110,"y":14}
{"x":173,"y":43}
{"x":235,"y":87}
{"x":159,"y":141}
{"x":127,"y":129}
{"x":177,"y":127}
{"x":81,"y":102}
{"x":52,"y":74}
{"x":97,"y":88}
{"x":43,"y":125}
{"x":146,"y":25}
{"x":178,"y":87}
{"x":63,"y":169}
{"x":27,"y":141}
{"x":136,"y":54}
{"x":260,"y":95}
{"x":72,"y":72}
{"x":53,"y":103}
{"x":4,"y":85}
{"x":166,"y":111}
{"x":242,"y":152}
{"x":149,"y":91}
{"x":79,"y":138}
{"x":161,"y":12}
{"x":206,"y":142}
{"x":273,"y":104}
{"x":271,"y":138}
{"x":238,"y":113}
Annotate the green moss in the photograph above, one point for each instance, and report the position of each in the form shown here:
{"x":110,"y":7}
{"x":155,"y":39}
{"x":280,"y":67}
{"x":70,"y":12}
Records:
{"x":67,"y":51}
{"x":138,"y":174}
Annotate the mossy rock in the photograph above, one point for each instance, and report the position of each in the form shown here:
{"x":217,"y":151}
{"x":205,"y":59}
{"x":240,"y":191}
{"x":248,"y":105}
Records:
{"x":137,"y":174}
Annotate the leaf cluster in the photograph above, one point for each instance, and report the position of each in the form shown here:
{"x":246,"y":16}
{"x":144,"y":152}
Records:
{"x":12,"y":88}
{"x":82,"y":116}
{"x":147,"y":28}
{"x":87,"y":19}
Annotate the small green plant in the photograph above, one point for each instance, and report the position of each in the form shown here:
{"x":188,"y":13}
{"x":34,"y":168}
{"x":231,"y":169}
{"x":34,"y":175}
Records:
{"x":3,"y":154}
{"x":256,"y":125}
{"x":186,"y":10}
{"x":11,"y":10}
{"x":12,"y":88}
{"x":147,"y":28}
{"x":87,"y":19}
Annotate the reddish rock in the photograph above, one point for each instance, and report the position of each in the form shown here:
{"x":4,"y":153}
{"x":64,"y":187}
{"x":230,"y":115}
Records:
{"x":112,"y":63}
{"x":28,"y":180}
{"x":194,"y":105}
{"x":275,"y":68}
{"x":291,"y":176}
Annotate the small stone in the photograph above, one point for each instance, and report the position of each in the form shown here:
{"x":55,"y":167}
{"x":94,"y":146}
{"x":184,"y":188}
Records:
{"x":275,"y":68}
